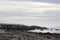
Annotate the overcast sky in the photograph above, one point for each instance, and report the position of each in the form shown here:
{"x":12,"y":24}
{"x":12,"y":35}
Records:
{"x":30,"y":12}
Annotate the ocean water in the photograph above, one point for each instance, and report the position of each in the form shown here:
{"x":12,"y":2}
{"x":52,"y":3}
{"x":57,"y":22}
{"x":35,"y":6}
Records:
{"x":45,"y":31}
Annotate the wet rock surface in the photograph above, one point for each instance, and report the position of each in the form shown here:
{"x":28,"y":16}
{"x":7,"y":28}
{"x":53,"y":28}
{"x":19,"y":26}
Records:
{"x":27,"y":36}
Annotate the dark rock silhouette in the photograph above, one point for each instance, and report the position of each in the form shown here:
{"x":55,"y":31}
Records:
{"x":20,"y":27}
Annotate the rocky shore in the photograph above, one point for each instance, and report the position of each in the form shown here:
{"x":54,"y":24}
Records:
{"x":18,"y":35}
{"x":21,"y":32}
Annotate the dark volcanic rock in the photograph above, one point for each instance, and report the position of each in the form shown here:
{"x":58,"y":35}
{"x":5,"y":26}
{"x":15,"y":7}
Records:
{"x":20,"y":27}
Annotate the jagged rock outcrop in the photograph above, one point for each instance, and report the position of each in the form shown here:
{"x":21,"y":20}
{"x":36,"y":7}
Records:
{"x":20,"y":27}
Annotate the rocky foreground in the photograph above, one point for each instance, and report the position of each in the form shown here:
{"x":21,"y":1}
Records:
{"x":18,"y":35}
{"x":21,"y":32}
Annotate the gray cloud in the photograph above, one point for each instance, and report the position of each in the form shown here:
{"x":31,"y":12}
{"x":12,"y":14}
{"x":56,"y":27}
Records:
{"x":37,"y":13}
{"x":51,"y":1}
